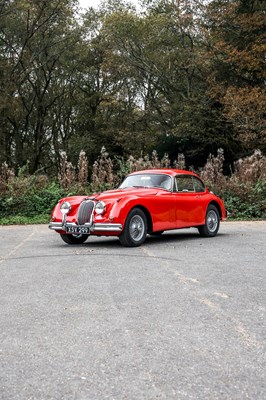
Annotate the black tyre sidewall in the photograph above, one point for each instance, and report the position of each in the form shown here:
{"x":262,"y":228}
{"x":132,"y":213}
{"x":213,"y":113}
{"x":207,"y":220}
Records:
{"x":70,"y":239}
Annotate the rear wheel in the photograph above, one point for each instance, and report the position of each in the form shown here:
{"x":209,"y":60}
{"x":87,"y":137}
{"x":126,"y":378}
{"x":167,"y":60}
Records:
{"x":135,"y":229}
{"x":212,"y":223}
{"x":74,"y":239}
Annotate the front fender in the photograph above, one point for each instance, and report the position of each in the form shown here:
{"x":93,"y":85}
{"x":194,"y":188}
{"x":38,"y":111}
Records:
{"x":122,"y":207}
{"x":160,"y":215}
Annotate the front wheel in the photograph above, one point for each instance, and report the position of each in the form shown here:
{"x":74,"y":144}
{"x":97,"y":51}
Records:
{"x":73,"y":239}
{"x":212,"y":223}
{"x":135,"y":229}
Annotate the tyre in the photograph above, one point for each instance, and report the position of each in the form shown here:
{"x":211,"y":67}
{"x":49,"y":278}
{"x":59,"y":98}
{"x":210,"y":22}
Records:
{"x":212,"y":223}
{"x":135,"y":229}
{"x":74,"y":239}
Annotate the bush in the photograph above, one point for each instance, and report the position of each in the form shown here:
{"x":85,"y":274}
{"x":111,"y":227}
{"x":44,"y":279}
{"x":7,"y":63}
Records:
{"x":30,"y":198}
{"x":246,"y":202}
{"x":244,"y":192}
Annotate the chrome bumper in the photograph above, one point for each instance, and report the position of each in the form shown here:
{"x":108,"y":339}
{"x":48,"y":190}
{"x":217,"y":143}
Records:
{"x":98,"y":227}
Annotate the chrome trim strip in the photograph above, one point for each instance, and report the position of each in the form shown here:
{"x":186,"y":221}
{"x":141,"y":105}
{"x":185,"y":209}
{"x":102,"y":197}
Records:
{"x":56,"y":226}
{"x":102,"y":227}
{"x":73,"y":224}
{"x":107,"y":227}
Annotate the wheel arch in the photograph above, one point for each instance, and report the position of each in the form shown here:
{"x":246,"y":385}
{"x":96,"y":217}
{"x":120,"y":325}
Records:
{"x":217,"y":205}
{"x":147,"y":215}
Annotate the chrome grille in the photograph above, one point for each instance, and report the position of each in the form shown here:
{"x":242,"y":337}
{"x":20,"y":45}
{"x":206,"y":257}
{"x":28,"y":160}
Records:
{"x":85,"y":212}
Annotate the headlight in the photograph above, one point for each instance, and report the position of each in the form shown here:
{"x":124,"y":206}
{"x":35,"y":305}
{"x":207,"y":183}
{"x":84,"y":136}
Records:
{"x":100,"y":207}
{"x":65,"y":207}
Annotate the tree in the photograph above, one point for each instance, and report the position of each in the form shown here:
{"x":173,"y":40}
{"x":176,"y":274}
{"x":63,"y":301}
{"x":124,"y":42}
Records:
{"x":158,"y":61}
{"x":182,"y":76}
{"x":236,"y":34}
{"x":36,"y":38}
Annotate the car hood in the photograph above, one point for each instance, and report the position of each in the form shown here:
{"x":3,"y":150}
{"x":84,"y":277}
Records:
{"x":110,"y":195}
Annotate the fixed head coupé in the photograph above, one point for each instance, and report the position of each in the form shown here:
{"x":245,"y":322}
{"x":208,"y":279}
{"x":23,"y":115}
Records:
{"x":147,"y":202}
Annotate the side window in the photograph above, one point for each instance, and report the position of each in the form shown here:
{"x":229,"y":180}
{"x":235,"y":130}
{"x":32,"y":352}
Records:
{"x":198,"y":185}
{"x":184,"y":184}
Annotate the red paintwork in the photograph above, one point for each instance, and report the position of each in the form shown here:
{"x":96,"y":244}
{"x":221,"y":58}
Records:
{"x":167,"y":210}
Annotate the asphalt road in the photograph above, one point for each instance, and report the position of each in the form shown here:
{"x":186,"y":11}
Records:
{"x":181,"y":317}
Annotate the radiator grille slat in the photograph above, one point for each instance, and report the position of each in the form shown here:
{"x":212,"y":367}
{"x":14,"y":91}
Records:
{"x":85,"y":211}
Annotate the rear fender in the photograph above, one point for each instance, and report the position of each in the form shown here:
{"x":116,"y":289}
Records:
{"x":220,"y":207}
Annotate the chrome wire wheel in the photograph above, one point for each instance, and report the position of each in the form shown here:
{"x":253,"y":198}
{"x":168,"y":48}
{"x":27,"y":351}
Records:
{"x":136,"y":227}
{"x":212,"y":221}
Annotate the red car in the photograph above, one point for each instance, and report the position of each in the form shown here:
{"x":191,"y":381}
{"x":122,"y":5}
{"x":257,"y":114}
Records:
{"x":147,"y":202}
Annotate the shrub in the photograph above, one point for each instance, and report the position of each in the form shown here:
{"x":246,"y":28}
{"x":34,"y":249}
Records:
{"x":25,"y":196}
{"x":30,"y":198}
{"x":67,"y":174}
{"x":102,"y":172}
{"x":244,"y":192}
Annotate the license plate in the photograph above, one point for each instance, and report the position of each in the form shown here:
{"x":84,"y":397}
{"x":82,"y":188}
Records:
{"x":77,"y":230}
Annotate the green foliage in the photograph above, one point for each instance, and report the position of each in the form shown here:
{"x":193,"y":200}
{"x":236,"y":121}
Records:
{"x":30,"y":198}
{"x":179,"y":77}
{"x":237,"y":66}
{"x":23,"y":203}
{"x":24,"y":220}
{"x":244,"y":192}
{"x":246,"y":202}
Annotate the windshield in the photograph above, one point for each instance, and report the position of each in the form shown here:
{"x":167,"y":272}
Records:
{"x":148,"y":180}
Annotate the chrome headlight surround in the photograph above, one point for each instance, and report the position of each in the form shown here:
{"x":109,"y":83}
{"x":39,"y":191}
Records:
{"x":100,"y":207}
{"x":65,"y":207}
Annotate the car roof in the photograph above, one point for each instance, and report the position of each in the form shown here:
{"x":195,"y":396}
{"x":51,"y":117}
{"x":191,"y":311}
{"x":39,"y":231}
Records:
{"x":168,"y":171}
